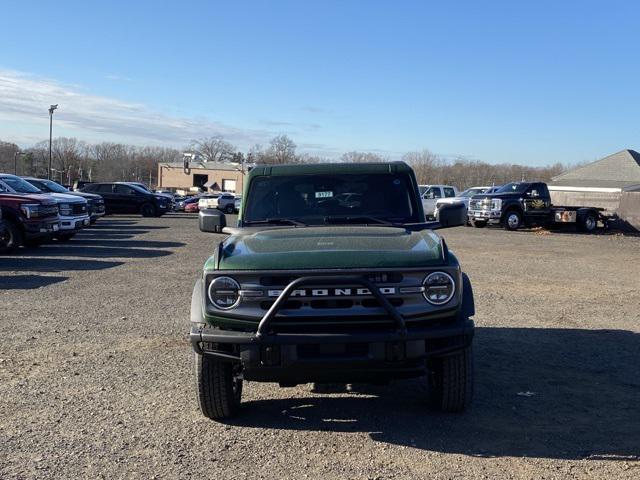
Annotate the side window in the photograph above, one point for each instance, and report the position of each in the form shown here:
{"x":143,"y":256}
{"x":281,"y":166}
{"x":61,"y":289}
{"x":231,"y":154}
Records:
{"x":449,"y":192}
{"x":534,"y":191}
{"x":104,"y":188}
{"x":124,"y":190}
{"x":3,"y":188}
{"x":433,"y":192}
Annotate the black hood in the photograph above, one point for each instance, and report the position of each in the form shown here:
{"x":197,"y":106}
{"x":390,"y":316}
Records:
{"x":504,"y":195}
{"x":86,"y":196}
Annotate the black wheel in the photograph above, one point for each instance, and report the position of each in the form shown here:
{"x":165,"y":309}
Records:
{"x":451,"y":381}
{"x":588,"y":223}
{"x":229,"y":208}
{"x":10,"y":238}
{"x":64,"y":237}
{"x":512,"y":220}
{"x":219,"y":387}
{"x":479,"y":223}
{"x":148,"y":210}
{"x":93,"y":221}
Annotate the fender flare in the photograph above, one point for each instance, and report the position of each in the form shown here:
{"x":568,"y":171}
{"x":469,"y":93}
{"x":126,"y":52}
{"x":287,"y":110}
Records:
{"x":468,"y":308}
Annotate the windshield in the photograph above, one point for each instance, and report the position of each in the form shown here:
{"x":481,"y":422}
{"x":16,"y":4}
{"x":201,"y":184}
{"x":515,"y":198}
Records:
{"x":473,"y":191}
{"x":136,"y":187}
{"x":19,"y":185}
{"x":140,"y":186}
{"x":50,"y":186}
{"x":325,"y":199}
{"x":514,"y":187}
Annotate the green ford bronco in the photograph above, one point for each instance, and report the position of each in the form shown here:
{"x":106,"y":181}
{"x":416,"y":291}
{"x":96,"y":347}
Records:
{"x":331,"y":275}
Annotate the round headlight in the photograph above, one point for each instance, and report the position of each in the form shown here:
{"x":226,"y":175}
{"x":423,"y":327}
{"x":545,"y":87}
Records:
{"x":224,"y":292}
{"x":439,"y":288}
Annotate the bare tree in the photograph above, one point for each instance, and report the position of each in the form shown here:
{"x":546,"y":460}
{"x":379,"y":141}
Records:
{"x":281,"y":151}
{"x":362,"y":157}
{"x":213,"y":149}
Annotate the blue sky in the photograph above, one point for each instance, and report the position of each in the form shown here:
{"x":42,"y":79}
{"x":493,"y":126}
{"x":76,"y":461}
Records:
{"x":497,"y":81}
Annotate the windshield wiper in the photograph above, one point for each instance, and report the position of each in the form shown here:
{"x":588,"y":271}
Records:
{"x":360,"y":219}
{"x":276,"y":221}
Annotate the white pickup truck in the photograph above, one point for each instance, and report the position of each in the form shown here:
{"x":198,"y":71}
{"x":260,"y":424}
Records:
{"x":430,"y":195}
{"x":223,"y":201}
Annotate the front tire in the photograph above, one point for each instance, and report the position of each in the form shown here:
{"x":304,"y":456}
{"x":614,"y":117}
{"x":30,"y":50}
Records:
{"x":451,"y":381}
{"x":148,"y":210}
{"x":229,"y":209}
{"x":11,"y":238}
{"x":218,"y":386}
{"x":479,"y":223}
{"x":512,"y":220}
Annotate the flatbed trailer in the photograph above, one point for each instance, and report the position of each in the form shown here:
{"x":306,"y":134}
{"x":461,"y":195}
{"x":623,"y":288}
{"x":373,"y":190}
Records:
{"x":521,"y":204}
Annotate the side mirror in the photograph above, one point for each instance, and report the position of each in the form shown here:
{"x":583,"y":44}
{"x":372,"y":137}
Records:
{"x":211,"y":220}
{"x":452,"y":215}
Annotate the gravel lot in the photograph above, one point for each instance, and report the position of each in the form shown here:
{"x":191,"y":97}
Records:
{"x":96,"y":376}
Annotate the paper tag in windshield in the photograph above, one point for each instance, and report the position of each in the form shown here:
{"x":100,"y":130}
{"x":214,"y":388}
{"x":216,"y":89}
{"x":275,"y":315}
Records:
{"x":324,"y":194}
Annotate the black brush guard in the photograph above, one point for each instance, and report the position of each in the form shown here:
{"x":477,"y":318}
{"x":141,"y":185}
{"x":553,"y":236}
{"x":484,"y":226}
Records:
{"x":460,"y":335}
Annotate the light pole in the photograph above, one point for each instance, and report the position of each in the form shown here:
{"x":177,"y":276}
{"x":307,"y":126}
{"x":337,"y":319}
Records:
{"x":51,"y":109}
{"x":15,"y":162}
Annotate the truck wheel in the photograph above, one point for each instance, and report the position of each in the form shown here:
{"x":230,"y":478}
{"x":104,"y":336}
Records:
{"x":229,"y":208}
{"x":479,"y":223}
{"x":11,"y":238}
{"x":588,"y":223}
{"x":219,"y":387}
{"x":451,"y":381}
{"x":512,"y":220}
{"x":148,"y":210}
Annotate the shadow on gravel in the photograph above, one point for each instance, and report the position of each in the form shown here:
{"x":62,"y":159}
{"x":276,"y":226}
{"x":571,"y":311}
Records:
{"x":120,"y":243}
{"x":547,"y":393}
{"x":124,"y":228}
{"x":32,"y":264}
{"x":71,"y":250}
{"x":27,"y":282}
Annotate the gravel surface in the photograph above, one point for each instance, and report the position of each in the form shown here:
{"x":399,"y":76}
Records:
{"x":96,"y":376}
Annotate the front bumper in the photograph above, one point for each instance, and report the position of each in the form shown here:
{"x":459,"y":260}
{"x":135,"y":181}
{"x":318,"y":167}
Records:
{"x":361,"y":355}
{"x":491,"y":216}
{"x":39,"y":229}
{"x":352,"y":357}
{"x":73,"y":223}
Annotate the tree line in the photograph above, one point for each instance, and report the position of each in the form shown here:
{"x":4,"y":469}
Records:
{"x":73,"y":159}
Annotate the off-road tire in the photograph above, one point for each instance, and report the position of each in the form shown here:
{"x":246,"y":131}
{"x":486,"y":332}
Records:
{"x":513,"y":225}
{"x":11,"y":240}
{"x":148,"y":210}
{"x":219,"y":392}
{"x":451,"y":381}
{"x":479,"y":223}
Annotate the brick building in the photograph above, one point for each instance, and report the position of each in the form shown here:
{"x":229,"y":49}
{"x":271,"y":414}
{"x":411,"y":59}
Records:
{"x":212,"y":176}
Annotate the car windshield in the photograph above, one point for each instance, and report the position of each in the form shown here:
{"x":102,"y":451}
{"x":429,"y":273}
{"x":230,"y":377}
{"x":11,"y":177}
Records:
{"x":514,"y":187}
{"x":137,"y":187}
{"x":50,"y":186}
{"x":20,"y":185}
{"x":473,"y":191}
{"x":332,"y":199}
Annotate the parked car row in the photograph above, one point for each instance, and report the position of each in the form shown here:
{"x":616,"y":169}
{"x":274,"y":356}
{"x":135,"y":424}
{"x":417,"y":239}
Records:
{"x":227,"y":202}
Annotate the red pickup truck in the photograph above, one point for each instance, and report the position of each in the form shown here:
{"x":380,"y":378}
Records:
{"x":28,"y":220}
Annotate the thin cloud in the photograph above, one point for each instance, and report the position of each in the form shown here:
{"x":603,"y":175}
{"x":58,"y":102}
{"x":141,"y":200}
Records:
{"x":118,"y":78}
{"x":25,"y":98}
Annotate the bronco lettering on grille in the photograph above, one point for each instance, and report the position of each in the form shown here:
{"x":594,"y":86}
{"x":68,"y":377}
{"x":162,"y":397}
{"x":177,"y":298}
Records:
{"x":332,"y":292}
